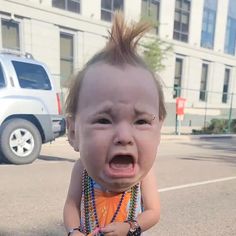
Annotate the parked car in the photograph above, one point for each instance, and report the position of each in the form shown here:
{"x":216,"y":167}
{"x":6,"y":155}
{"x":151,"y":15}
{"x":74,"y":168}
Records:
{"x":30,"y":109}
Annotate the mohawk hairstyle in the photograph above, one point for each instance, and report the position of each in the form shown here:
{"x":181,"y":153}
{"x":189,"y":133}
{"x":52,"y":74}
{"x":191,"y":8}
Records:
{"x":121,"y":46}
{"x":121,"y":49}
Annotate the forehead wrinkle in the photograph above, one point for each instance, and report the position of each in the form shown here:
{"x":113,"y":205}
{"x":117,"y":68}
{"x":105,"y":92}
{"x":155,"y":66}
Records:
{"x":141,"y":109}
{"x":106,"y":107}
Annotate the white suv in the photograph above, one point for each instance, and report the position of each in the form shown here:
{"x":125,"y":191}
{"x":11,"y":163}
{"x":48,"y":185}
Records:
{"x":30,"y":110}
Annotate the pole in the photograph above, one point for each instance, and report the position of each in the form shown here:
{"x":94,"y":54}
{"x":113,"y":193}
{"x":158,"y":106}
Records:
{"x":230,"y":114}
{"x":179,"y":125}
{"x":176,"y":124}
{"x":176,"y":116}
{"x":206,"y":98}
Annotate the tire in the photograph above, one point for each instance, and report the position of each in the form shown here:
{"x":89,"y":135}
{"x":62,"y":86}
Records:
{"x":20,"y":141}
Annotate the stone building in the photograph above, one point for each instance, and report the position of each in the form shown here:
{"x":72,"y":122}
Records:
{"x":64,"y":34}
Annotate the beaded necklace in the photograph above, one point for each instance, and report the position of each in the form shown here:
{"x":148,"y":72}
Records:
{"x":90,"y":212}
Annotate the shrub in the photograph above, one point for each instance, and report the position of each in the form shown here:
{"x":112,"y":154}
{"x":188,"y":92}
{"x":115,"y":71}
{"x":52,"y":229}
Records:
{"x":217,"y":126}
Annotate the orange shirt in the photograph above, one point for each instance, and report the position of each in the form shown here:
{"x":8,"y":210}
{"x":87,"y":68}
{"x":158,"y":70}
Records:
{"x":106,"y":205}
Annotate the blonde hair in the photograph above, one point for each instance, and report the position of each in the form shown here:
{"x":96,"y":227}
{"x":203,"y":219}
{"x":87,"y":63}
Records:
{"x":120,"y":50}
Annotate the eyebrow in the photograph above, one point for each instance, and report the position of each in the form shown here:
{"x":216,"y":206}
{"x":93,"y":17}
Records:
{"x":139,"y":110}
{"x":147,"y":113}
{"x":103,"y":109}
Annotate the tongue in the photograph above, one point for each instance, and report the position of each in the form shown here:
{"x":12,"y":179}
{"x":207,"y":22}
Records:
{"x":120,"y":165}
{"x":121,"y":162}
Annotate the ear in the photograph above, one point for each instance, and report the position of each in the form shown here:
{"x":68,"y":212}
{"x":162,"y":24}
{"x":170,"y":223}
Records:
{"x":70,"y":125}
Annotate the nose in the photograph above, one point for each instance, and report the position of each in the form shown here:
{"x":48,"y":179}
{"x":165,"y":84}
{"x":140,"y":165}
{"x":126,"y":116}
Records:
{"x":123,"y":134}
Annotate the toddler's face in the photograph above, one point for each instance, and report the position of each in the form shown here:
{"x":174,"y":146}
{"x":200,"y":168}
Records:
{"x":117,"y":129}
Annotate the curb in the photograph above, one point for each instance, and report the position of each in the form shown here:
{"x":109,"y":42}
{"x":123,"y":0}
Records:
{"x":200,"y":137}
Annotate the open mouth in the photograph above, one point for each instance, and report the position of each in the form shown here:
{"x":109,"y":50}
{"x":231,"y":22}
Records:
{"x":122,"y":162}
{"x":121,"y":166}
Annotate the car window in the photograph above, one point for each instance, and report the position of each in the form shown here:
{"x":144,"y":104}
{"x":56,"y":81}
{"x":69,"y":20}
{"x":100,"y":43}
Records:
{"x":2,"y":81}
{"x":31,"y":76}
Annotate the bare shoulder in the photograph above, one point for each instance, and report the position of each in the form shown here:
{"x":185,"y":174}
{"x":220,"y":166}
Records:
{"x":76,"y":175}
{"x":78,"y":167}
{"x":75,"y":187}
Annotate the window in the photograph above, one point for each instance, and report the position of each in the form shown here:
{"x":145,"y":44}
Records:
{"x":178,"y":77}
{"x":31,"y":76}
{"x":66,"y":56}
{"x":203,"y":84}
{"x":181,"y":23}
{"x":226,"y":86}
{"x":108,"y":7}
{"x":10,"y":35}
{"x":151,"y":10}
{"x":69,"y":5}
{"x":208,"y":23}
{"x":2,"y":81}
{"x":230,"y":38}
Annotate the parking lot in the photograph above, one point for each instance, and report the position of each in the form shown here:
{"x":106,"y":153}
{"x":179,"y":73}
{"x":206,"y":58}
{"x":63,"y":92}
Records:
{"x":197,"y":184}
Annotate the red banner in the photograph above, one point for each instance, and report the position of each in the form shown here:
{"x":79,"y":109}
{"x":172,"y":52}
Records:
{"x":180,"y":104}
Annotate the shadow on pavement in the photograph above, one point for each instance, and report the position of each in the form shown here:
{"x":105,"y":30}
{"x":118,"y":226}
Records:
{"x":215,"y":158}
{"x":226,"y":146}
{"x":53,"y":158}
{"x":36,"y":233}
{"x":49,"y":230}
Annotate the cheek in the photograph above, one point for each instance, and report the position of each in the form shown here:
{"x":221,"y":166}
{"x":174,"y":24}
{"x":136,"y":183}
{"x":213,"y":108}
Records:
{"x":148,"y":154}
{"x":149,"y":139}
{"x":100,"y":141}
{"x":94,"y":146}
{"x":148,"y":149}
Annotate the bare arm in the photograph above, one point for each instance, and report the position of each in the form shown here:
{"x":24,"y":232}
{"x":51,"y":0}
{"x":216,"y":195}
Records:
{"x":71,"y":213}
{"x":151,"y":214}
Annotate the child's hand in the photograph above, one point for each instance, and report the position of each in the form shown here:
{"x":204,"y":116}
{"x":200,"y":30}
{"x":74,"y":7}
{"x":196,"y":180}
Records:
{"x":116,"y":229}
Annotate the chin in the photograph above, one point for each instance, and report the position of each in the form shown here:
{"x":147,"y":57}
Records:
{"x":119,"y":184}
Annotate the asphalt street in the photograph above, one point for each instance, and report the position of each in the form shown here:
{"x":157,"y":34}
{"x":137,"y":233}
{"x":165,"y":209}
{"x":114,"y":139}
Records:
{"x":197,"y":185}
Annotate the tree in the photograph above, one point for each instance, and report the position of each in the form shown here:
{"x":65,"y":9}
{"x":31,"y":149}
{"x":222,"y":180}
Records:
{"x":154,"y":52}
{"x":154,"y":49}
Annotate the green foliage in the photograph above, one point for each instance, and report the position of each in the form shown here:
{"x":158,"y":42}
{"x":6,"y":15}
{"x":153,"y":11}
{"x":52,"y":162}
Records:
{"x":151,"y":19}
{"x":233,"y":126}
{"x":218,"y":126}
{"x":154,"y":52}
{"x":154,"y":49}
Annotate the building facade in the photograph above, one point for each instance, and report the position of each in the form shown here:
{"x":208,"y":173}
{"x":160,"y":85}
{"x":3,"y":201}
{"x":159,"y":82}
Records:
{"x":64,"y":34}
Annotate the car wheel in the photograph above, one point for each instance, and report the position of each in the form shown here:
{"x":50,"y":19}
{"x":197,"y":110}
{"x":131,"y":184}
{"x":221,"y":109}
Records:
{"x":20,"y":141}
